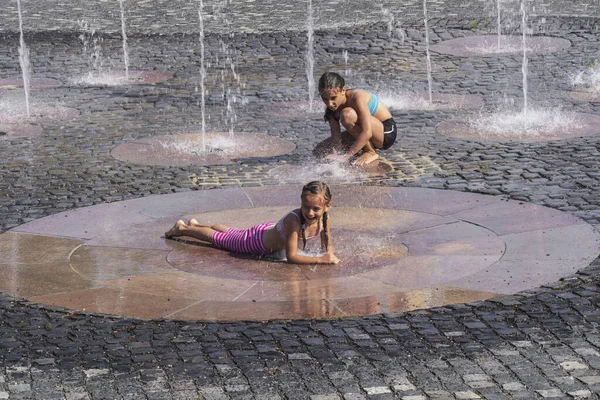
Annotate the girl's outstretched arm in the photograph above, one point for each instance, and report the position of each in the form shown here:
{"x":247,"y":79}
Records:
{"x":291,"y":248}
{"x":336,"y":134}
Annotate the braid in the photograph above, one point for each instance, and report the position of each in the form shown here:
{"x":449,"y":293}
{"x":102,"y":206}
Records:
{"x":303,"y":228}
{"x":325,"y":230}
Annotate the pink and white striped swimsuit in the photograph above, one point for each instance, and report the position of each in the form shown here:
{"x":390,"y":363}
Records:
{"x":248,"y":241}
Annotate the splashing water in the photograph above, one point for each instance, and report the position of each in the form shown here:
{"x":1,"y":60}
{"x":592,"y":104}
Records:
{"x":215,"y":145}
{"x":588,"y":78}
{"x":123,"y":30}
{"x":202,"y":76}
{"x":314,"y":170}
{"x":346,"y":57}
{"x":499,"y":25}
{"x":24,"y":61}
{"x":89,"y":39}
{"x":534,"y":123}
{"x":525,"y":61}
{"x":310,"y":58}
{"x":429,"y":77}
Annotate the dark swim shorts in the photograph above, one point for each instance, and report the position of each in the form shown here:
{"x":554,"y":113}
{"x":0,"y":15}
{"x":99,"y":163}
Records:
{"x":389,"y":133}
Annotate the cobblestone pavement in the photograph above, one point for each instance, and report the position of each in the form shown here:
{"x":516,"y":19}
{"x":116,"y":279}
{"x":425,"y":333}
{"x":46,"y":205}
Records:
{"x":540,"y":344}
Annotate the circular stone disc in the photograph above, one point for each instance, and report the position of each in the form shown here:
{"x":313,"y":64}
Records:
{"x":10,"y":131}
{"x":488,"y":45}
{"x":401,"y":249}
{"x":586,"y":94}
{"x":460,"y":128}
{"x":35,"y":83}
{"x":188,"y":149}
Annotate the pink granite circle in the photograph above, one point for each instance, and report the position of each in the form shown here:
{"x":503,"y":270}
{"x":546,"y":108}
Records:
{"x":463,"y":128}
{"x":401,"y":249}
{"x":212,"y":148}
{"x":488,"y":45}
{"x":10,"y":131}
{"x":121,"y":78}
{"x":14,"y":121}
{"x":586,"y":94}
{"x":35,"y":83}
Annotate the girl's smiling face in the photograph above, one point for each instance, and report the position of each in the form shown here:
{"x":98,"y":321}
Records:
{"x":333,"y":97}
{"x":313,"y":207}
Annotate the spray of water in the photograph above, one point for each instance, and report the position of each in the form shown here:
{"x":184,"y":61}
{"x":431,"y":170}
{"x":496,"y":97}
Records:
{"x":346,"y":57}
{"x":92,"y":44}
{"x":499,"y":25}
{"x":231,"y":93}
{"x":535,"y":123}
{"x":429,"y":78}
{"x":589,"y":77}
{"x":202,"y":75}
{"x":310,"y":58}
{"x":24,"y":60}
{"x":124,"y":33}
{"x":525,"y":61}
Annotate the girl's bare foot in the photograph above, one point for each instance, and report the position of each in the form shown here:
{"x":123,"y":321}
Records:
{"x":175,"y":230}
{"x":194,"y":222}
{"x":366,"y":158}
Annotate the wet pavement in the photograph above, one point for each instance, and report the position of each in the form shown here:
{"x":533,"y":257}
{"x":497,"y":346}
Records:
{"x":539,"y":342}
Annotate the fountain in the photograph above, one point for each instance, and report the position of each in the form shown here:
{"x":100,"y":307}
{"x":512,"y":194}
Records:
{"x":529,"y":124}
{"x":202,"y":76}
{"x":16,"y":120}
{"x":207,"y":147}
{"x":24,"y":60}
{"x":499,"y":44}
{"x":398,"y":99}
{"x":124,"y":36}
{"x":429,"y":77}
{"x":99,"y":75}
{"x":310,"y":58}
{"x":25,"y":81}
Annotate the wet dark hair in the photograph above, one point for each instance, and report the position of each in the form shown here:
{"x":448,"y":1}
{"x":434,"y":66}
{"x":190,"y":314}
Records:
{"x":317,"y":188}
{"x":330,"y":80}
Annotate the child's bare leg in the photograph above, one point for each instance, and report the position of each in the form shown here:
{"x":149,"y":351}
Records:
{"x":349,"y":120}
{"x":218,"y":227}
{"x":203,"y":233}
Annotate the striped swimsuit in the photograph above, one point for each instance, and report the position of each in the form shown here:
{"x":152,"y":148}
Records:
{"x":248,"y":241}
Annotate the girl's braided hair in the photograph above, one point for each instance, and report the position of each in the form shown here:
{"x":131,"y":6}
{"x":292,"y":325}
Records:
{"x":316,"y":188}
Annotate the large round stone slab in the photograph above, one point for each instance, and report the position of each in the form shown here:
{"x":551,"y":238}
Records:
{"x":490,"y":45}
{"x":401,"y":249}
{"x":34,"y":83}
{"x":212,"y":148}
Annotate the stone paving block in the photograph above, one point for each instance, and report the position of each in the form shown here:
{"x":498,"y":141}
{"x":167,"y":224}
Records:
{"x":549,"y":393}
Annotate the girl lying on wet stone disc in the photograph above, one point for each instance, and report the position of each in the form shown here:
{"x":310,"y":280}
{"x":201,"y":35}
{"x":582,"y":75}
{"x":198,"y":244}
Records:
{"x":305,"y":223}
{"x":369,"y":124}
